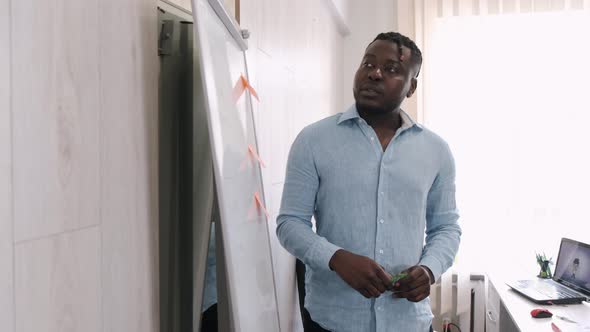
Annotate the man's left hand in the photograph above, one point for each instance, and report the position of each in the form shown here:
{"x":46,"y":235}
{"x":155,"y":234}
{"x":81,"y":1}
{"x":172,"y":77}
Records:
{"x":415,"y":287}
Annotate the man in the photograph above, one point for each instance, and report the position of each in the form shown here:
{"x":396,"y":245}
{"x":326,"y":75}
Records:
{"x":375,"y":181}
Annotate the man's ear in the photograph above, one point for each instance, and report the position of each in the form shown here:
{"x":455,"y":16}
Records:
{"x":413,"y":86}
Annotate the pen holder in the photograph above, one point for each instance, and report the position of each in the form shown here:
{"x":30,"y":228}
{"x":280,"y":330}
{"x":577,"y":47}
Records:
{"x":544,"y":263}
{"x":545,"y":271}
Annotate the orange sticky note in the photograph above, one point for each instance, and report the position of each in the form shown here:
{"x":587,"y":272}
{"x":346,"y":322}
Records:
{"x":259,"y":203}
{"x":253,"y":153}
{"x":238,"y":90}
{"x":249,"y":87}
{"x":242,"y":85}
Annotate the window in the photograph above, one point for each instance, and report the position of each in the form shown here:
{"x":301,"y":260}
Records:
{"x":511,"y":95}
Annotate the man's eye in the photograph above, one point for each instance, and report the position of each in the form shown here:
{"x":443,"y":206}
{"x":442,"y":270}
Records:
{"x":367,"y":65}
{"x":391,"y":69}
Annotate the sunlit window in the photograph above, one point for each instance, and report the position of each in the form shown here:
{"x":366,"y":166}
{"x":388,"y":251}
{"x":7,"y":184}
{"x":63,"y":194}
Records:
{"x":511,"y":95}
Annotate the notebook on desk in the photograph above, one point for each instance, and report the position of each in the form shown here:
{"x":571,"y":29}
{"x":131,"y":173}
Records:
{"x":571,"y":281}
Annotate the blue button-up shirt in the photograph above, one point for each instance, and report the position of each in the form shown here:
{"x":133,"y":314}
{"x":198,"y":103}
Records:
{"x":371,"y":202}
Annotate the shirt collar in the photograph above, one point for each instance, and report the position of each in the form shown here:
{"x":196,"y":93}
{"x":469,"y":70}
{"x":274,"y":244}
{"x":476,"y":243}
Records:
{"x":407,"y":121}
{"x":352,"y":113}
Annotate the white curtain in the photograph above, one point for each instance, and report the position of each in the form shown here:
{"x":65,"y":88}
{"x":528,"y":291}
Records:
{"x":506,"y":83}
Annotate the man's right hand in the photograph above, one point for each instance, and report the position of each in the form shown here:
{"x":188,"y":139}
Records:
{"x":361,"y":273}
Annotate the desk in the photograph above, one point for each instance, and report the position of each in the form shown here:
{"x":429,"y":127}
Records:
{"x":507,"y":311}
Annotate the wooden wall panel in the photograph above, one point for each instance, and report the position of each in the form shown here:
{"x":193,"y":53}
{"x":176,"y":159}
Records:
{"x":6,"y":240}
{"x":55,"y":116}
{"x":58,"y":283}
{"x":128,"y":157}
{"x":78,"y":119}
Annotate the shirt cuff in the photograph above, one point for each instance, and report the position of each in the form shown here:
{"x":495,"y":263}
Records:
{"x":433,"y":264}
{"x":319,"y":255}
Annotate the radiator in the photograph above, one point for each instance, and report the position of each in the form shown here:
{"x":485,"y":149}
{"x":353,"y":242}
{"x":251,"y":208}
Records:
{"x":460,"y":298}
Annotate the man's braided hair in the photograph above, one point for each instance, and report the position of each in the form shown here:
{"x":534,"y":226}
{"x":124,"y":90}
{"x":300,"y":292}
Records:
{"x":401,"y":40}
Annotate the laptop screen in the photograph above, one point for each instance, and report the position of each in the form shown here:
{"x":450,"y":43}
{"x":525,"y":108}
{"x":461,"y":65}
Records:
{"x":573,"y":265}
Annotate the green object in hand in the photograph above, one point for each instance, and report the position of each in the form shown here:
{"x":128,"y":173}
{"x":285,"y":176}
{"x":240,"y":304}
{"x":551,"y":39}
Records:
{"x":398,"y":277}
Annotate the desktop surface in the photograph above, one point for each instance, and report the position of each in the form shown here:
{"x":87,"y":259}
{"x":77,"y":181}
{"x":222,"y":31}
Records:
{"x":515,"y":310}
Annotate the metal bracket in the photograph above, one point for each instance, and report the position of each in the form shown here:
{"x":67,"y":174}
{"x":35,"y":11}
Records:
{"x":245,"y":33}
{"x":165,"y":40}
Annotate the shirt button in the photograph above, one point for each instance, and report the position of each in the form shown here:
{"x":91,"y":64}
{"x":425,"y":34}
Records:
{"x":379,"y":308}
{"x":380,"y":251}
{"x":382,"y":193}
{"x":381,"y":221}
{"x":372,"y":138}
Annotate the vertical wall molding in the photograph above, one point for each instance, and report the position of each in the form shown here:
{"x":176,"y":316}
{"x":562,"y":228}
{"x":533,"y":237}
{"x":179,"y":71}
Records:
{"x":6,"y":199}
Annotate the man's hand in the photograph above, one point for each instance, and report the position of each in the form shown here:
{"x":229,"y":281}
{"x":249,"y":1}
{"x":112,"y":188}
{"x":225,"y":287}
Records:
{"x":361,"y":273}
{"x":415,"y":287}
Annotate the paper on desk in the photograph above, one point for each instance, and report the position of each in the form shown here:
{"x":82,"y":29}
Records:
{"x":566,"y":324}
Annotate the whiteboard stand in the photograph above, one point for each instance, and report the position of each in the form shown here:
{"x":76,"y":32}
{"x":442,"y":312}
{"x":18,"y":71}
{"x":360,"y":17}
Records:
{"x":202,"y":230}
{"x":224,"y":319}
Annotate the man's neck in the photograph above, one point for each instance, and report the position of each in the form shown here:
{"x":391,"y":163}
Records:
{"x":386,"y":120}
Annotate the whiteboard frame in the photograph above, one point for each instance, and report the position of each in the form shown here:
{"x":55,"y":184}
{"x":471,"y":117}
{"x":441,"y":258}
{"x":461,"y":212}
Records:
{"x":230,"y":23}
{"x":233,"y":28}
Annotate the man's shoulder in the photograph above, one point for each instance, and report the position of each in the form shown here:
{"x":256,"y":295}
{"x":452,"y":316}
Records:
{"x":322,"y":127}
{"x":432,"y":137}
{"x":435,"y":143}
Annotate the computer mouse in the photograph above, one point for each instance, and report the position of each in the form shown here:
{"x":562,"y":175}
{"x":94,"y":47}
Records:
{"x":541,"y":313}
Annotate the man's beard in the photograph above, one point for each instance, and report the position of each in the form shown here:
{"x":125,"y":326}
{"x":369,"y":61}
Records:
{"x":375,"y":109}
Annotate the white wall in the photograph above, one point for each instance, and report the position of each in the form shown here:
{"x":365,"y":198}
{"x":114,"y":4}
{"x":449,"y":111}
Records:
{"x":294,"y":60}
{"x":78,"y":186}
{"x":6,"y":239}
{"x":366,"y":19}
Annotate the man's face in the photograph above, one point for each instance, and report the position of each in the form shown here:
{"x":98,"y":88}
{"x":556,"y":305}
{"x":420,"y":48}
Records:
{"x":383,"y":81}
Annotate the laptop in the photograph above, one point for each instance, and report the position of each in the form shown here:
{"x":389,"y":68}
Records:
{"x":571,"y":281}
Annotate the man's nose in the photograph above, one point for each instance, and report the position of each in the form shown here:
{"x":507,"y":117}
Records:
{"x":376,"y":74}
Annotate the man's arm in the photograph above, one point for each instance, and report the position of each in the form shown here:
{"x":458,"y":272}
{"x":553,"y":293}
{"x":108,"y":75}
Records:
{"x":294,"y":228}
{"x":442,"y":236}
{"x":443,"y":233}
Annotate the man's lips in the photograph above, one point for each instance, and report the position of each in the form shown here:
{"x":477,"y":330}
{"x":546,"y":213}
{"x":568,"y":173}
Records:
{"x":368,"y":91}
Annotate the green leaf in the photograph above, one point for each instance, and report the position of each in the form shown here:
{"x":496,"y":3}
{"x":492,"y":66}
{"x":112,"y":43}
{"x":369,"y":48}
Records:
{"x":398,"y":277}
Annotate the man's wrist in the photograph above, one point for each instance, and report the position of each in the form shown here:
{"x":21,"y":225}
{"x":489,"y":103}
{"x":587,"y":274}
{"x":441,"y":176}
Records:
{"x":430,"y":274}
{"x":334,"y":259}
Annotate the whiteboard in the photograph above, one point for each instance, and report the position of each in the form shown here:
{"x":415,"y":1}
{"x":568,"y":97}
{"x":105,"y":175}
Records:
{"x":251,"y":286}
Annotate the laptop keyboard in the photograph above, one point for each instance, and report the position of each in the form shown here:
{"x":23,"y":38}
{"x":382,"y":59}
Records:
{"x":551,"y":291}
